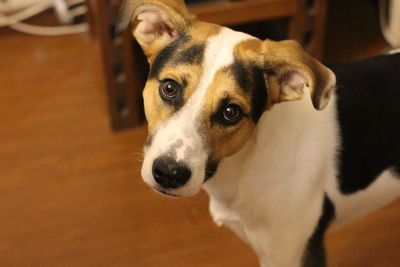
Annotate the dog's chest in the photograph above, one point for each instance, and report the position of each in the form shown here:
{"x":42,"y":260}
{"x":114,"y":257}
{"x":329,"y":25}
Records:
{"x":224,"y":211}
{"x":225,"y":202}
{"x":231,"y":191}
{"x":223,"y":198}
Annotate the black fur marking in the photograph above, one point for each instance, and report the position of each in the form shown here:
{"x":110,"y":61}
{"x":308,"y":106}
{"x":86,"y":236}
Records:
{"x":314,"y":255}
{"x":250,"y":78}
{"x":259,"y":94}
{"x":191,"y":55}
{"x":241,"y":74}
{"x":165,"y":55}
{"x":211,"y":169}
{"x":368,"y":103}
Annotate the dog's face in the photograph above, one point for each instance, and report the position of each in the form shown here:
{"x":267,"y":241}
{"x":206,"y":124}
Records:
{"x":207,"y":88}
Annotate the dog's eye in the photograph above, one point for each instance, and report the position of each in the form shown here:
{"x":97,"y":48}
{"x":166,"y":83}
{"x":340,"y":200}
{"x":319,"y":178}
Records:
{"x":169,"y":89}
{"x":232,"y":113}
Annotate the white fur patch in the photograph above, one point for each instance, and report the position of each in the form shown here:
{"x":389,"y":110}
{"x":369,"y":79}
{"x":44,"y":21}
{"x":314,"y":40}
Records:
{"x":218,"y":53}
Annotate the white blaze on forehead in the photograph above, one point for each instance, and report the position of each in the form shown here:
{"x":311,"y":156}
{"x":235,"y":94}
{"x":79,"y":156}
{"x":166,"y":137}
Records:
{"x":218,"y":54}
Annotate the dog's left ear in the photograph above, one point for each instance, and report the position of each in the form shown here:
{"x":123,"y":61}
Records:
{"x":155,"y":23}
{"x":289,"y":70}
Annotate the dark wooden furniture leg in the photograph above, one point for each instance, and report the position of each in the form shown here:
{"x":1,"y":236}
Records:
{"x":307,"y":26}
{"x":125,"y":68}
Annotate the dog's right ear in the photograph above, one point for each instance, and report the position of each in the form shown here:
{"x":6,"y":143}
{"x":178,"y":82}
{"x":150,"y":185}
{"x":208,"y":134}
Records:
{"x":155,"y":23}
{"x":290,"y":70}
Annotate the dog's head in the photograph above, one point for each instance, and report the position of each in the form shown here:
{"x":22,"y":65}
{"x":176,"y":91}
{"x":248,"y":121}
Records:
{"x":207,"y":88}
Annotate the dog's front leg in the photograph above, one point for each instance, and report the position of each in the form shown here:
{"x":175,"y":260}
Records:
{"x":275,"y":248}
{"x":292,"y":241}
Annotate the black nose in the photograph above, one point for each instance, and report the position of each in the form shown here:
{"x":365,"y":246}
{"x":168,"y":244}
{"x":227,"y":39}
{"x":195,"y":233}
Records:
{"x":169,"y":173}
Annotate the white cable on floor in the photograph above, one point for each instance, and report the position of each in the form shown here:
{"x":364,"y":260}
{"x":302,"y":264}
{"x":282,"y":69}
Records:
{"x":6,"y":20}
{"x":14,"y":22}
{"x":50,"y":31}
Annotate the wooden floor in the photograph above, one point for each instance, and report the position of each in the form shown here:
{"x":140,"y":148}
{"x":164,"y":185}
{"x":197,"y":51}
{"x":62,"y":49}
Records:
{"x":70,"y":189}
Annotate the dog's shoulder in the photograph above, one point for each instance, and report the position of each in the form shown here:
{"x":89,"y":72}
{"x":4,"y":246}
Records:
{"x":368,"y":97}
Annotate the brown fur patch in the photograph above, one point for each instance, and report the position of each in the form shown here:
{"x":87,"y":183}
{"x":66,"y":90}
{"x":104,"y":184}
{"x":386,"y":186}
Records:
{"x":287,"y":57}
{"x":280,"y":59}
{"x":200,"y":31}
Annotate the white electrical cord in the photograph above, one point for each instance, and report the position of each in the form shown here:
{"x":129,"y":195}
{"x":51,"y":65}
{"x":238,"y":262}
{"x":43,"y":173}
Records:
{"x":50,"y":31}
{"x":67,"y":15}
{"x":7,"y":20}
{"x":14,"y":22}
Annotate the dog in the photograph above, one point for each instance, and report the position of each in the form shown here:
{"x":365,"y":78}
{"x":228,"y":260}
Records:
{"x":284,"y":146}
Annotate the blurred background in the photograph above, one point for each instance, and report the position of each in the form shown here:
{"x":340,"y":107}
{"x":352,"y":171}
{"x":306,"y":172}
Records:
{"x":72,"y":129}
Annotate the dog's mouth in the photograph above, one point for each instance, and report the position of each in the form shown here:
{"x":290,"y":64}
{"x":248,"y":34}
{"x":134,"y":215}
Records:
{"x":165,"y":192}
{"x":210,"y":171}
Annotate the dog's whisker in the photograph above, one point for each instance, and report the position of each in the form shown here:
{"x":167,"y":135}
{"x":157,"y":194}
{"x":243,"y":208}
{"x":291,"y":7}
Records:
{"x":139,"y":161}
{"x":136,"y":154}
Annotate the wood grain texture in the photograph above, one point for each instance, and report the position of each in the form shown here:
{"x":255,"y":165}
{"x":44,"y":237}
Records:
{"x":227,"y":12}
{"x":70,"y":189}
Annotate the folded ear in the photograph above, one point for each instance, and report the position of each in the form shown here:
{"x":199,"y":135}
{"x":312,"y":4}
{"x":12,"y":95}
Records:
{"x":289,"y":70}
{"x":155,"y":23}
